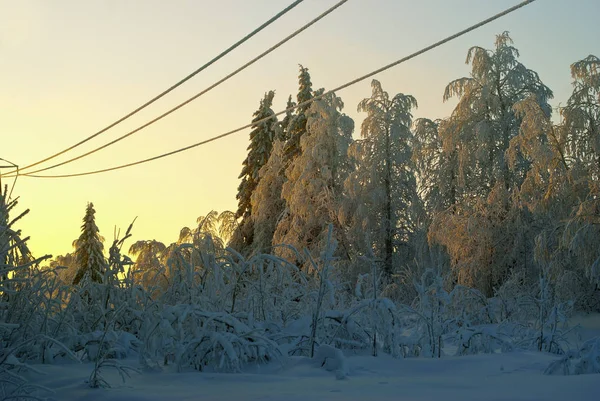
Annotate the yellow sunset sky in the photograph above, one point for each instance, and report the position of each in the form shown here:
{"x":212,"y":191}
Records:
{"x":69,"y":68}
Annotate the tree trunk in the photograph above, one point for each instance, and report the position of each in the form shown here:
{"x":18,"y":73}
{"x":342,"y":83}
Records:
{"x":389,"y":246}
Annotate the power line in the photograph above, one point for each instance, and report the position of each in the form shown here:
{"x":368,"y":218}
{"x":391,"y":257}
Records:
{"x":359,"y":79}
{"x":174,"y":109}
{"x":170,"y":89}
{"x":362,"y":78}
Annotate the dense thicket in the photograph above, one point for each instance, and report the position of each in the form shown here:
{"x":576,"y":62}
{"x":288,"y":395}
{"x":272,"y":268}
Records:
{"x":474,"y":193}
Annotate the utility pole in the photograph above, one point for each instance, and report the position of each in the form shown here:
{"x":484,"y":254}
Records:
{"x":5,"y":236}
{"x":13,"y":166}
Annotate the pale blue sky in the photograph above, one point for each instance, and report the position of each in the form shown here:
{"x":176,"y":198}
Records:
{"x":70,"y":67}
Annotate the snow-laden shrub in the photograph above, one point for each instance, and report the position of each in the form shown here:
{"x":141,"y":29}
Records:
{"x":553,"y":315}
{"x":534,"y":313}
{"x":226,"y":351}
{"x":583,"y":290}
{"x":344,"y":329}
{"x":104,"y":348}
{"x":369,"y":321}
{"x":430,"y":311}
{"x":192,"y":337}
{"x":419,"y":329}
{"x":463,"y":317}
{"x":32,"y":319}
{"x":332,"y":360}
{"x":116,"y":298}
{"x":472,"y":322}
{"x":486,"y":339}
{"x":266,"y":292}
{"x":268,"y":287}
{"x":470,"y":307}
{"x":369,"y":324}
{"x":97,"y":378}
{"x":322,"y":268}
{"x":372,"y":324}
{"x":515,"y":300}
{"x":586,"y":360}
{"x":110,"y":345}
{"x":318,"y":296}
{"x":14,"y":387}
{"x":29,"y":303}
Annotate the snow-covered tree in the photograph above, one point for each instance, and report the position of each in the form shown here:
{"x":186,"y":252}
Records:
{"x":436,"y":168}
{"x":313,"y":190}
{"x":581,"y":127}
{"x":485,"y":240}
{"x":542,"y":146}
{"x":89,"y":249}
{"x":259,"y":150}
{"x":148,"y":266}
{"x":267,"y":204}
{"x":487,"y":231}
{"x":228,"y":225}
{"x":296,"y":127}
{"x":484,"y":121}
{"x":147,"y":253}
{"x":384,"y":184}
{"x":282,"y":132}
{"x":28,"y":295}
{"x":69,"y":263}
{"x":560,"y":183}
{"x":221,"y":227}
{"x":581,"y":115}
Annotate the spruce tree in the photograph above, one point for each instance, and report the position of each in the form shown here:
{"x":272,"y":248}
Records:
{"x":259,"y":150}
{"x":297,"y":124}
{"x":268,"y":206}
{"x":267,"y":203}
{"x":285,"y":123}
{"x":314,"y":187}
{"x":89,"y":250}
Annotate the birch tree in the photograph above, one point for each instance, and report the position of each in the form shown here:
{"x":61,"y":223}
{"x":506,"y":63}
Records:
{"x":384,"y":184}
{"x":484,"y":121}
{"x":488,"y":232}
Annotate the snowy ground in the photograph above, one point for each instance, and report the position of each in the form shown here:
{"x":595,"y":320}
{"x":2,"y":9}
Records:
{"x":510,"y":376}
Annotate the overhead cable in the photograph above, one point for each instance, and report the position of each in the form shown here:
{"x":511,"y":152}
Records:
{"x":170,"y":89}
{"x":350,"y":83}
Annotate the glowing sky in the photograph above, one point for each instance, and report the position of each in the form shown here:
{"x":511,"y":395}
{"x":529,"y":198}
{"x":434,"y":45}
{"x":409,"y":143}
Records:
{"x":70,"y":67}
